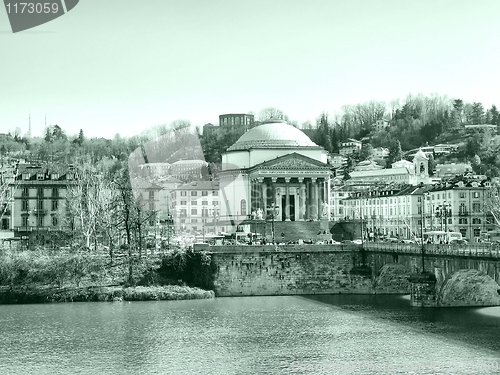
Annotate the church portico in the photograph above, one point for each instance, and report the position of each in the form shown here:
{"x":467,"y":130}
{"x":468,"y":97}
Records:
{"x":294,"y":198}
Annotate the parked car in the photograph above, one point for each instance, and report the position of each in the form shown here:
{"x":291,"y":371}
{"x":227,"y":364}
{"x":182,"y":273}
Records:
{"x":358,"y":241}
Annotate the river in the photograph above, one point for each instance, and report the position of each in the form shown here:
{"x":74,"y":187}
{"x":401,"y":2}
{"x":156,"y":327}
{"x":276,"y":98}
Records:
{"x":249,"y":335}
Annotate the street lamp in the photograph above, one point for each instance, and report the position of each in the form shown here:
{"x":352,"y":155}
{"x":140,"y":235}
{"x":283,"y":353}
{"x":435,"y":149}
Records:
{"x":273,"y":207}
{"x":422,"y":226}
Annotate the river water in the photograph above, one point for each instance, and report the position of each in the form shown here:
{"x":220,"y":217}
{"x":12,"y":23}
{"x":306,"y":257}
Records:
{"x":249,"y":335}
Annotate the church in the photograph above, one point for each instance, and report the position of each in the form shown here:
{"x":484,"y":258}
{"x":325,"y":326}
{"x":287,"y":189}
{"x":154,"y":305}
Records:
{"x":274,"y":172}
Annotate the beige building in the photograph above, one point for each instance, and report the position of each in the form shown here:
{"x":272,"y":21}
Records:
{"x":39,"y":200}
{"x":195,"y":207}
{"x":400,"y":211}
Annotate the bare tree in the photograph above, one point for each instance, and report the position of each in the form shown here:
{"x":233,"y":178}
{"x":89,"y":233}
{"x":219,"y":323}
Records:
{"x":271,"y":113}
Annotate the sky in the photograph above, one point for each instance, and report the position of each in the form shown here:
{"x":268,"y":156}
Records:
{"x":122,"y":66}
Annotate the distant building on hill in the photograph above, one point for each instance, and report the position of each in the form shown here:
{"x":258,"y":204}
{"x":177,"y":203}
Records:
{"x":452,"y":170}
{"x":236,"y":121}
{"x":183,"y":169}
{"x":349,"y":146}
{"x":380,"y":125}
{"x":380,"y":152}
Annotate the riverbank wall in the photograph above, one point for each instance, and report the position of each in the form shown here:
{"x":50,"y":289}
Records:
{"x":266,"y":270}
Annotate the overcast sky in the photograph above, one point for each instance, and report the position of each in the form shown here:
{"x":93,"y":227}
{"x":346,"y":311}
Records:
{"x":121,"y":66}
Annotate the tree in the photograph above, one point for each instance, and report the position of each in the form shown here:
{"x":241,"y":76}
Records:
{"x":323,"y":137}
{"x":271,"y":113}
{"x":395,"y":153}
{"x":366,"y":151}
{"x":86,"y":202}
{"x":477,"y":113}
{"x":495,"y":118}
{"x":476,"y":164}
{"x":431,"y":164}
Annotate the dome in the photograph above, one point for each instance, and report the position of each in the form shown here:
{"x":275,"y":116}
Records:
{"x":273,"y":135}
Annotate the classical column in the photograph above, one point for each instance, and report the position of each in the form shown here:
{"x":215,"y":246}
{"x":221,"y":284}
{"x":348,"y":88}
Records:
{"x":273,"y":190}
{"x":315,"y":214}
{"x":321,"y":191}
{"x":252,"y":197}
{"x":302,"y":198}
{"x":309,"y":199}
{"x":328,"y":197}
{"x":287,"y":192}
{"x":264,"y":195}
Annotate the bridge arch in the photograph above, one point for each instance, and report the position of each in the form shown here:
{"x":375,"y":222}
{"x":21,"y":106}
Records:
{"x":392,"y":278}
{"x":469,"y":287}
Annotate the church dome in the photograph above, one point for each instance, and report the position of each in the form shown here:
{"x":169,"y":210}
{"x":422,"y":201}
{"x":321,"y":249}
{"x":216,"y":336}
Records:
{"x":273,"y":135}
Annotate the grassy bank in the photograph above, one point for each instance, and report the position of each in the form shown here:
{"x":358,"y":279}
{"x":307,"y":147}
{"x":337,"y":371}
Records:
{"x":38,"y":276}
{"x":105,"y":293}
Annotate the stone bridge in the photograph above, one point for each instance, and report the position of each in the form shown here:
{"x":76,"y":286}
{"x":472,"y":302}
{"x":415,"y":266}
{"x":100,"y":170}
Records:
{"x":459,"y":276}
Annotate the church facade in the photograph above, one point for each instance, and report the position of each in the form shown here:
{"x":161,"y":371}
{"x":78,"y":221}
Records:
{"x":274,"y":171}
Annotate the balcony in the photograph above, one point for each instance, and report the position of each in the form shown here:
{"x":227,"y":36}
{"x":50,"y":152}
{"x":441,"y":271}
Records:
{"x":463,"y":213}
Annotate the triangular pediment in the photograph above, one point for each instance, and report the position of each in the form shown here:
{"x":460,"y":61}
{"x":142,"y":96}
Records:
{"x":292,"y":162}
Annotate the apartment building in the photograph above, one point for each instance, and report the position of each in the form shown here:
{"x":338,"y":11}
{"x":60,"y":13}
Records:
{"x":38,"y":206}
{"x":195,"y":207}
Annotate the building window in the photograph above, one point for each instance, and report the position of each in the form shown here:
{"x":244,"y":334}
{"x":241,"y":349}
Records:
{"x":475,"y":194}
{"x":477,"y":232}
{"x":194,"y":193}
{"x":204,"y":212}
{"x":25,"y":206}
{"x":55,"y":205}
{"x":55,"y":192}
{"x":462,"y":220}
{"x":183,"y":193}
{"x":476,"y":221}
{"x":204,"y":193}
{"x":151,"y":195}
{"x":476,"y":207}
{"x":54,"y":221}
{"x":183,"y":212}
{"x":40,"y":192}
{"x":215,"y":203}
{"x":183,"y":203}
{"x":25,"y":221}
{"x":243,"y":206}
{"x":194,"y":220}
{"x":151,"y":206}
{"x":25,"y":192}
{"x":194,"y":203}
{"x":40,"y":205}
{"x":215,"y":193}
{"x":194,"y":211}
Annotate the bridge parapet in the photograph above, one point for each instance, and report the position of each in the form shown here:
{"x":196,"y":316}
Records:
{"x":476,"y":251}
{"x":278,"y":248}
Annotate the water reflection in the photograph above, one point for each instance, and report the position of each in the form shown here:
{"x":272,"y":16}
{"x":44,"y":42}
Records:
{"x":250,"y":335}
